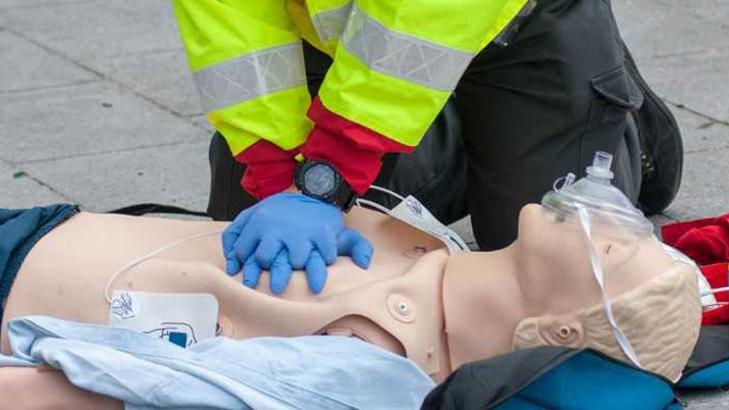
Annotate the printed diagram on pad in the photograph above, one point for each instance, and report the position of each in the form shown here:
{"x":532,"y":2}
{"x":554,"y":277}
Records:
{"x":181,"y":334}
{"x":123,"y":307}
{"x":414,"y":206}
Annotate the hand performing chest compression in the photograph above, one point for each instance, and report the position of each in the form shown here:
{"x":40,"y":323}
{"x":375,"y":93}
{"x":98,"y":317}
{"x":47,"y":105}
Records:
{"x":287,"y":232}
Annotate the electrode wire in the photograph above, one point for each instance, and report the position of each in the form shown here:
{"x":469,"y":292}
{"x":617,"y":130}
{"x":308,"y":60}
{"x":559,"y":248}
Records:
{"x":150,"y":255}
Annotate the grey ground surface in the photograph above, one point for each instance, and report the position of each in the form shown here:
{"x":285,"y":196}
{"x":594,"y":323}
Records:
{"x":97,"y":106}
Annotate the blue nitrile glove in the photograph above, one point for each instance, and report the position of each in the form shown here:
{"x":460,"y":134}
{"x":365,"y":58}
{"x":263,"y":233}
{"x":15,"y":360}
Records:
{"x":290,"y":231}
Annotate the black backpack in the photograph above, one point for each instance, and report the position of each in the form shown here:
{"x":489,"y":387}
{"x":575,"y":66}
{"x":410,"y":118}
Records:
{"x":661,"y":147}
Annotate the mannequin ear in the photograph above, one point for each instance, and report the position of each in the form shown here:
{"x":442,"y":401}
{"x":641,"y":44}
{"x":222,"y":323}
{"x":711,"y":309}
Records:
{"x":561,"y":331}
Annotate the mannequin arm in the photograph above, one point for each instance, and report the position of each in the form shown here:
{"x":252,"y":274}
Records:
{"x":22,"y":384}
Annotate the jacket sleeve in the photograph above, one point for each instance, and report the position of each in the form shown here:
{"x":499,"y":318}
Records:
{"x":396,"y":64}
{"x":247,"y":63}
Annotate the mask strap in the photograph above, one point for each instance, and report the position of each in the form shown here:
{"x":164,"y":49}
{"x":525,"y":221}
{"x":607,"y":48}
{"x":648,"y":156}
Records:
{"x":618,"y":334}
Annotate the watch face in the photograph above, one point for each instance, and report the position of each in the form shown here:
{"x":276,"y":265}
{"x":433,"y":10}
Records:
{"x":319,"y":180}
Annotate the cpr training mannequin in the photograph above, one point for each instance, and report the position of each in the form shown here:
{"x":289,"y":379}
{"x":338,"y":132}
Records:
{"x":439,"y":310}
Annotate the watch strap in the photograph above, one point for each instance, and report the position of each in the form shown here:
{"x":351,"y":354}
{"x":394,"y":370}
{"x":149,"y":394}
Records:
{"x":342,"y":196}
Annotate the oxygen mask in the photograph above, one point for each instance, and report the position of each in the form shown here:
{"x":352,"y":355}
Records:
{"x":593,"y":201}
{"x":598,"y":196}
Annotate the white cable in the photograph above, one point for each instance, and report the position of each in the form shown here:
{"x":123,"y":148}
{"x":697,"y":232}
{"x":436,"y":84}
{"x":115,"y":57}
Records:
{"x":115,"y":275}
{"x":597,"y":272}
{"x":387,"y":191}
{"x":712,"y":291}
{"x":373,"y":205}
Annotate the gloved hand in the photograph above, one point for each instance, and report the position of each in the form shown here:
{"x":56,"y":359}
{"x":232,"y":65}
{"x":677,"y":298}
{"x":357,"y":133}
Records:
{"x":290,"y":231}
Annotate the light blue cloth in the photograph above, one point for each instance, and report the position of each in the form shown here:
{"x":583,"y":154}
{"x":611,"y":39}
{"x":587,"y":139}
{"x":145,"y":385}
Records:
{"x":322,"y":372}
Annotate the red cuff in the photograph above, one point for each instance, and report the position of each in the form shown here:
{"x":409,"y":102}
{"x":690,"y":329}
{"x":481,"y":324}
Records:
{"x":354,"y":150}
{"x":269,"y":169}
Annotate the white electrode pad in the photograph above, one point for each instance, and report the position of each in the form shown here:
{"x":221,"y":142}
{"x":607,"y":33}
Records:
{"x":181,"y":318}
{"x":414,"y":213}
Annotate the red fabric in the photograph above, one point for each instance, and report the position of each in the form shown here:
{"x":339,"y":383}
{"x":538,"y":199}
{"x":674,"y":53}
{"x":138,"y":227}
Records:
{"x":269,"y":169}
{"x":352,"y":149}
{"x":706,"y":240}
{"x":672,"y":232}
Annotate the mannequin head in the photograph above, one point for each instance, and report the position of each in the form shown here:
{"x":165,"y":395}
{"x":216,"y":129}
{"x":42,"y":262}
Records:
{"x":654,"y":299}
{"x":542,"y":291}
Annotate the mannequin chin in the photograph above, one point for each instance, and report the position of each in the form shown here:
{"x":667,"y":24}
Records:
{"x":415,"y":300}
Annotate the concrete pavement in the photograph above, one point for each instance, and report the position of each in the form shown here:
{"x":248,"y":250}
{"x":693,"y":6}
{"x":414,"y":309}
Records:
{"x":97,"y":106}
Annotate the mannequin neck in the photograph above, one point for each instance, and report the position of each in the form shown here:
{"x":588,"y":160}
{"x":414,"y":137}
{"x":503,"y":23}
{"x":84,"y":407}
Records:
{"x":482,"y":304}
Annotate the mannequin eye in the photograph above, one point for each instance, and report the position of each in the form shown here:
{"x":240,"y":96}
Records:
{"x":608,"y":248}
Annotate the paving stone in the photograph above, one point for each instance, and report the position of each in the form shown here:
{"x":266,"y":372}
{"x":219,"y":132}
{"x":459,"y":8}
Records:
{"x":82,"y":120}
{"x":18,"y":190}
{"x":659,"y":28}
{"x":94,"y":32}
{"x":700,"y":133}
{"x":717,"y":12}
{"x":202,"y":122}
{"x":26,"y":65}
{"x":7,"y":4}
{"x":177,"y":175}
{"x":706,"y":400}
{"x":699,"y":81}
{"x":658,"y":221}
{"x":705,"y":188}
{"x":163,"y":77}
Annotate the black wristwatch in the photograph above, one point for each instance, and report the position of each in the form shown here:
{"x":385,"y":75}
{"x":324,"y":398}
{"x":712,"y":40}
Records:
{"x":320,"y":180}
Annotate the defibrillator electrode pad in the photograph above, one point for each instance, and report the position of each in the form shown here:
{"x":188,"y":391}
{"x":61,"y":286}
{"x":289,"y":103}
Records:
{"x":184,"y":319}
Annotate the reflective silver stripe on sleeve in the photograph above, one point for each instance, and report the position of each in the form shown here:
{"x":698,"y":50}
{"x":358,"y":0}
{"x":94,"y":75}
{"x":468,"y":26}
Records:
{"x":404,"y":56}
{"x":250,"y":76}
{"x":329,"y":24}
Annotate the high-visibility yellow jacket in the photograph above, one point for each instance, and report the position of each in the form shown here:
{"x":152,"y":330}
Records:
{"x":395,"y":61}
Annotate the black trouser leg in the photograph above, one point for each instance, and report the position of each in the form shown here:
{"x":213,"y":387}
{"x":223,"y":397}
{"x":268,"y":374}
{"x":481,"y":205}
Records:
{"x":540,"y":108}
{"x":227,"y":197}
